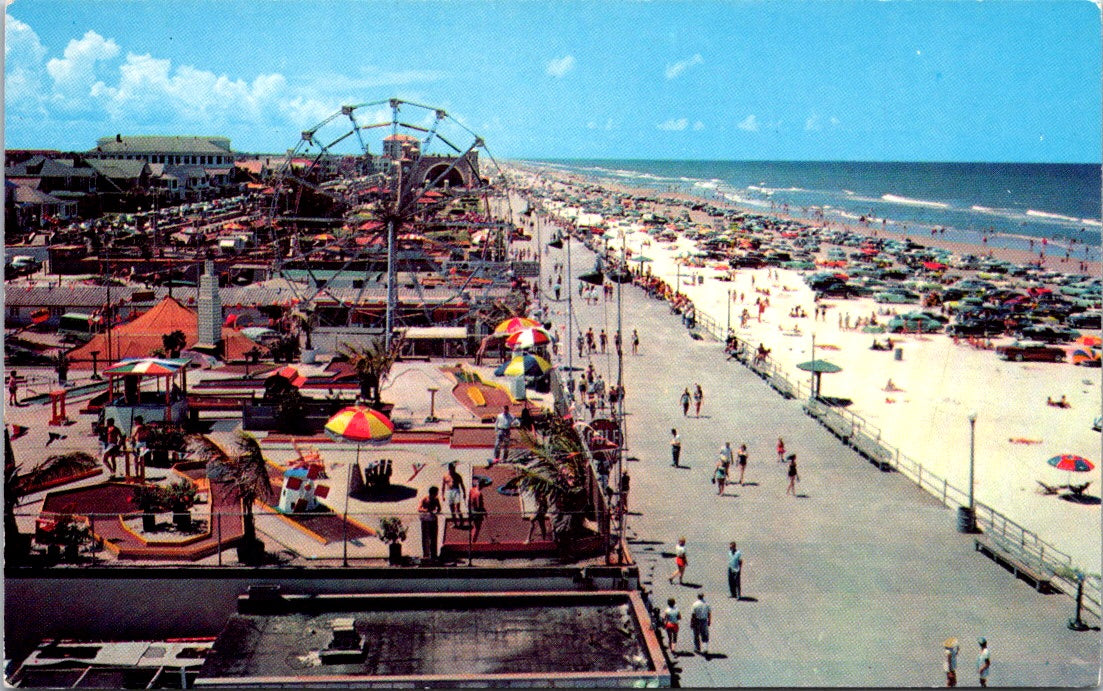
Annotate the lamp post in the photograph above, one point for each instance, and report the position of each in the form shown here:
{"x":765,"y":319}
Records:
{"x":966,"y":515}
{"x":729,"y":331}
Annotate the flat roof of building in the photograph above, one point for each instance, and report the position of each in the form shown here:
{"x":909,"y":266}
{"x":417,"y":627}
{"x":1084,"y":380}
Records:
{"x":438,"y":637}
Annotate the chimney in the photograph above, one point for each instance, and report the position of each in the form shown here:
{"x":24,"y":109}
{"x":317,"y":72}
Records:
{"x":119,"y":138}
{"x":210,"y":309}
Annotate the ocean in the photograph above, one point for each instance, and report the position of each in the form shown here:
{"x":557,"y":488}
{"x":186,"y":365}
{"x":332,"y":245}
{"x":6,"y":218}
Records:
{"x":1011,"y":204}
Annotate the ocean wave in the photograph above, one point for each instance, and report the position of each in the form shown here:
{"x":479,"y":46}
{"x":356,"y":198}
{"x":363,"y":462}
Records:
{"x":771,"y":190}
{"x":706,"y":184}
{"x":1051,"y":216}
{"x":896,"y":199}
{"x":1090,"y":222}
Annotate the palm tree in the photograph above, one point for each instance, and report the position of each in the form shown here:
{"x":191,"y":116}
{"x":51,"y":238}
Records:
{"x":17,"y":485}
{"x":246,"y":471}
{"x":306,"y":319}
{"x":373,"y":362}
{"x":555,"y":470}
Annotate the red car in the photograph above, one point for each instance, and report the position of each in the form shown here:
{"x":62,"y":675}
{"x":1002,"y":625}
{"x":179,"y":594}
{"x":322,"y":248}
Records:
{"x":1030,"y":350}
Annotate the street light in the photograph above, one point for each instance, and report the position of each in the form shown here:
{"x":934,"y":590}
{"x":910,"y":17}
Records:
{"x":966,"y":515}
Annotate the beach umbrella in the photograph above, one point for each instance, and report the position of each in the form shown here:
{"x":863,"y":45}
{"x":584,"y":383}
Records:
{"x":818,"y":368}
{"x":641,"y":259}
{"x":531,"y":365}
{"x":1081,"y":356}
{"x":527,"y":338}
{"x":151,"y":366}
{"x":1090,"y":340}
{"x":256,"y":333}
{"x":361,"y":425}
{"x":1071,"y":464}
{"x":514,"y":324}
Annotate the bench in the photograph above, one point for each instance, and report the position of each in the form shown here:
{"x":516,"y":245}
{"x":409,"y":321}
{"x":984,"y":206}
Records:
{"x":872,"y":450}
{"x":1001,"y":553}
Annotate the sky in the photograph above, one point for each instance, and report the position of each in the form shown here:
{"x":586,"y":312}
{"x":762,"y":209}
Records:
{"x":862,"y":80}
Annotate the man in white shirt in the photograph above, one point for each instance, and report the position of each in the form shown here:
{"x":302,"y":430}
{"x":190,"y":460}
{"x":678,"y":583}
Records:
{"x":700,"y":620}
{"x":984,"y":661}
{"x":502,"y":426}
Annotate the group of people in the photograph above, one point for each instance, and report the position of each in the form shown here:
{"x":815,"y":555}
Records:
{"x":114,"y":444}
{"x":698,"y":397}
{"x":951,"y":649}
{"x":429,"y":507}
{"x":700,"y":619}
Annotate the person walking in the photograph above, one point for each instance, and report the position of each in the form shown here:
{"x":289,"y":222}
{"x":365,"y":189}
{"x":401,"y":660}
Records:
{"x":984,"y":661}
{"x":603,"y":340}
{"x":950,"y":650}
{"x":701,"y":620}
{"x":635,"y":343}
{"x":794,"y":478}
{"x":780,"y":450}
{"x":675,"y":447}
{"x":680,"y":562}
{"x":428,"y":509}
{"x":742,"y":460}
{"x":698,"y":397}
{"x":735,"y":571}
{"x":671,"y":618}
{"x":539,"y":518}
{"x":503,"y":427}
{"x":720,"y":477}
{"x":685,"y":402}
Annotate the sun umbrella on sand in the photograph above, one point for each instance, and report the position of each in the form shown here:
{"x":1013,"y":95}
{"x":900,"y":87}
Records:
{"x":1071,"y":464}
{"x":818,"y":368}
{"x":152,"y":366}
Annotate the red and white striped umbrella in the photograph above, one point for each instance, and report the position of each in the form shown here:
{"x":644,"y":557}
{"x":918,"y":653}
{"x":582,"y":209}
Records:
{"x":527,"y":338}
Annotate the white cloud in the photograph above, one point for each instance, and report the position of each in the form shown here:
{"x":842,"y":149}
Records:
{"x":23,"y":70}
{"x":559,"y":67}
{"x":77,"y":69}
{"x":677,"y":68}
{"x":749,"y":124}
{"x":812,"y":124}
{"x":149,"y":89}
{"x":673,"y":125}
{"x":698,"y":126}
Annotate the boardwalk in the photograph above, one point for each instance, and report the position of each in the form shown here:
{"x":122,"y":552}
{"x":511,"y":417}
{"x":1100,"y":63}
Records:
{"x":855,"y":582}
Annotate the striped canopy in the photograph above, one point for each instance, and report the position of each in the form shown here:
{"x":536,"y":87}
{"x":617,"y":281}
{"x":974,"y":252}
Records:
{"x":1075,"y":464}
{"x":531,"y":365}
{"x":361,"y":425}
{"x":149,"y":366}
{"x":527,"y":338}
{"x":514,"y":324}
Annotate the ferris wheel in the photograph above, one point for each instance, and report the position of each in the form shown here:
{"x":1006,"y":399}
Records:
{"x":391,"y":183}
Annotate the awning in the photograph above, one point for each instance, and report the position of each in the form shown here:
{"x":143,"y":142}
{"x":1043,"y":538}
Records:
{"x":427,"y":333}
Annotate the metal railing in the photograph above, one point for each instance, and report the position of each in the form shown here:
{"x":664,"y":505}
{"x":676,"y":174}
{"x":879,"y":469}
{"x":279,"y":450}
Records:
{"x":1023,"y":545}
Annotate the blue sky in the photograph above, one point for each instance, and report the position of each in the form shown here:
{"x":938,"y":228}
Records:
{"x":957,"y":80}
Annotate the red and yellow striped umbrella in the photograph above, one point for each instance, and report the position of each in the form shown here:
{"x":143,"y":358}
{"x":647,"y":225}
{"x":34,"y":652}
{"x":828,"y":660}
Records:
{"x":514,"y":324}
{"x":527,"y":338}
{"x":361,"y":425}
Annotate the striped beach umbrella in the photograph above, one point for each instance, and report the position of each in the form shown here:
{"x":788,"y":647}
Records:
{"x":151,"y":366}
{"x":514,"y":324}
{"x":361,"y":425}
{"x":1071,"y":463}
{"x":531,"y":365}
{"x":527,"y":338}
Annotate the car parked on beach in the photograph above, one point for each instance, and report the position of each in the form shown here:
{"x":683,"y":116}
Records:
{"x":1085,"y":320}
{"x":976,"y":327}
{"x":897,"y":296}
{"x":1048,"y":334}
{"x":1035,"y":351}
{"x":915,"y":322}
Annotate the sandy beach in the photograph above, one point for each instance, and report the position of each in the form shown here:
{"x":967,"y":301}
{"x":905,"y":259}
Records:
{"x":937,"y":384}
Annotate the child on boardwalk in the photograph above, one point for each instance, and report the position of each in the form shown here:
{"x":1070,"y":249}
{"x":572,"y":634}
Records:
{"x":680,"y":562}
{"x":671,"y":618}
{"x":675,"y":447}
{"x":780,"y":450}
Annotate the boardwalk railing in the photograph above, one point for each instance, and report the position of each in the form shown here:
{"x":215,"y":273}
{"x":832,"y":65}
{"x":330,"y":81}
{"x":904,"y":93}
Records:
{"x":1025,"y":546}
